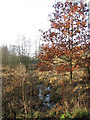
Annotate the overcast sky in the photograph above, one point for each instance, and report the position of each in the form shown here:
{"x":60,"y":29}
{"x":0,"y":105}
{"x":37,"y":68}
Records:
{"x":23,"y":17}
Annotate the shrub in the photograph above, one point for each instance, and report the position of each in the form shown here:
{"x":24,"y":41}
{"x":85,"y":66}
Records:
{"x":80,"y":113}
{"x":66,"y":115}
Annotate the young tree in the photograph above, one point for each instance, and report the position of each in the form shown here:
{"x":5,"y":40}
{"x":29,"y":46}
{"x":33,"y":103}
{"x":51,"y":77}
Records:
{"x":67,"y":37}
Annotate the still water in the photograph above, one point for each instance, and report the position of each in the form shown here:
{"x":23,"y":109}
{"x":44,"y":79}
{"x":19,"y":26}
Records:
{"x":45,"y":99}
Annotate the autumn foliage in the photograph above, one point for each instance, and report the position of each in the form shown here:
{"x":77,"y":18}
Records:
{"x":66,"y":39}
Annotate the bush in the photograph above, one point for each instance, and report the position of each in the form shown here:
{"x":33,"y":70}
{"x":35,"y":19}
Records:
{"x":66,"y":115}
{"x":80,"y":113}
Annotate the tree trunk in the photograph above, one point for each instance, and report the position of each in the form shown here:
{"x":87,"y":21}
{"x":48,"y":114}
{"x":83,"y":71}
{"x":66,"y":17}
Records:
{"x":71,"y":70}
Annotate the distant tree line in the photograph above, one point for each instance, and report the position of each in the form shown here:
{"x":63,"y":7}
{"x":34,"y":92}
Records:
{"x":20,"y":54}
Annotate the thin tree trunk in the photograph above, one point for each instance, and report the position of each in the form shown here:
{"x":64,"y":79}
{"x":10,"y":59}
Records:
{"x":71,"y":69}
{"x":71,"y":51}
